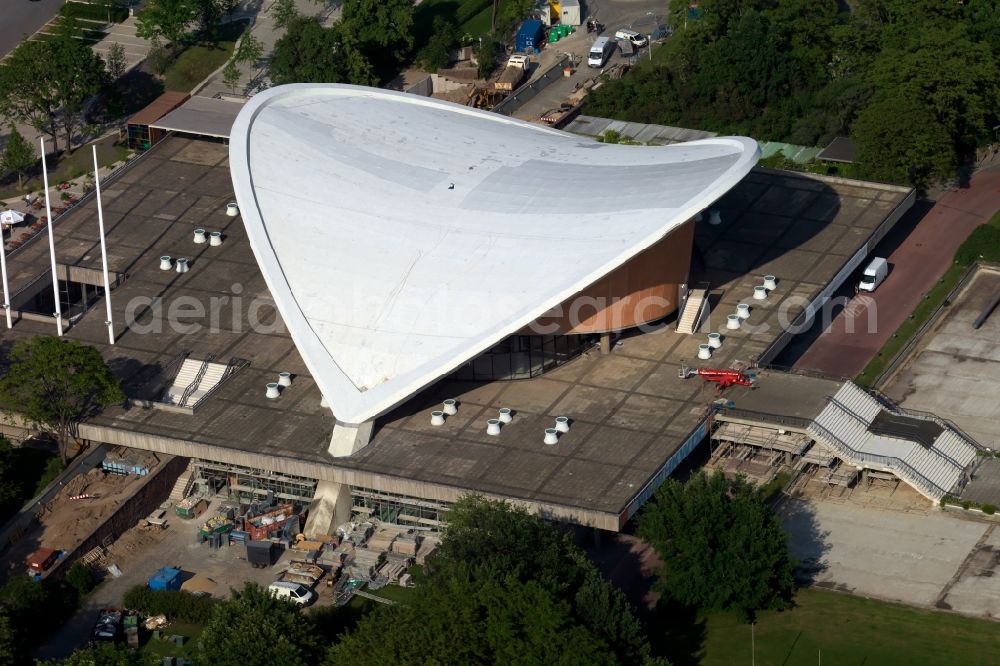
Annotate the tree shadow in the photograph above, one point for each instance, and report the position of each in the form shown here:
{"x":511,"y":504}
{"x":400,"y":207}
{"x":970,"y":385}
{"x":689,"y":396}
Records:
{"x":807,"y":542}
{"x":678,"y":633}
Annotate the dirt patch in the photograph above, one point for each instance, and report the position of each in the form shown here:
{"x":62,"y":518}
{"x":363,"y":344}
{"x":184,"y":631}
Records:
{"x":63,"y":522}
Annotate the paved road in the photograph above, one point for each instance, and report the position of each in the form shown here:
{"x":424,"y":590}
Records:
{"x":866,"y":323}
{"x":22,"y":18}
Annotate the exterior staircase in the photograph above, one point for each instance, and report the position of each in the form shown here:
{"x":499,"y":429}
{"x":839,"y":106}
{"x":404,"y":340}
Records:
{"x":925,"y":452}
{"x":196,"y":379}
{"x":694,"y":310}
{"x":182,"y":484}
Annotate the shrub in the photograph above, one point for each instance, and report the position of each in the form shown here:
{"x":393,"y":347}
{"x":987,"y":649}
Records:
{"x":966,"y":505}
{"x":176,"y":605}
{"x":81,"y":578}
{"x":989,"y":509}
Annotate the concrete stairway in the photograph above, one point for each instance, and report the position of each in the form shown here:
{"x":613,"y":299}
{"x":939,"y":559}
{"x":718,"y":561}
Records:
{"x":181,"y":485}
{"x":934,"y":471}
{"x":694,"y":308}
{"x":185,"y":376}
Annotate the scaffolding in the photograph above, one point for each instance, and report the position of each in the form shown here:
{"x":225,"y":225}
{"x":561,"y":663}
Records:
{"x":248,"y":485}
{"x":398,"y":509}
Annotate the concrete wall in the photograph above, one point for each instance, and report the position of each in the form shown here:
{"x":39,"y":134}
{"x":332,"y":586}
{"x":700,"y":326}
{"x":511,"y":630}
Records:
{"x":152,"y":491}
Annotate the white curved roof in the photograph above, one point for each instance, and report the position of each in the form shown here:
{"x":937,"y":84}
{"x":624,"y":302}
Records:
{"x":401,"y":236}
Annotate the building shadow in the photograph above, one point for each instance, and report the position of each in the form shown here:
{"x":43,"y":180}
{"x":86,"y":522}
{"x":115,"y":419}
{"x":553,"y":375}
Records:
{"x":807,"y":541}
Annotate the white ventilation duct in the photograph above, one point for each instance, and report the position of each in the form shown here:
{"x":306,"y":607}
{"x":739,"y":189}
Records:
{"x":182,"y":265}
{"x":165,"y":264}
{"x":493,"y":427}
{"x":743,"y":311}
{"x":733,"y":322}
{"x":450,"y":407}
{"x":284,"y":379}
{"x":215,"y":238}
{"x":199,"y":236}
{"x":232,"y":210}
{"x":714,"y":217}
{"x":770,"y":282}
{"x":704,"y":352}
{"x":272,"y":391}
{"x":714,"y":340}
{"x":760,"y":293}
{"x":551,"y":436}
{"x":562,"y":424}
{"x":505,"y":415}
{"x":437,"y":418}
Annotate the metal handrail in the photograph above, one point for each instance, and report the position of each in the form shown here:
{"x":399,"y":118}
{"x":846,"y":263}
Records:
{"x":193,"y":386}
{"x":779,"y":419}
{"x":890,"y":405}
{"x":234,"y":367}
{"x":887,"y":461}
{"x":851,"y":412}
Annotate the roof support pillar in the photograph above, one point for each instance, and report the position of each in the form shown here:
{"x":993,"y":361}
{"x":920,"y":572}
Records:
{"x":331,"y":507}
{"x":349,"y":438}
{"x":606,"y":343}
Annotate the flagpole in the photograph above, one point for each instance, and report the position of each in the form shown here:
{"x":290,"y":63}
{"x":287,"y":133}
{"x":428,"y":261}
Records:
{"x":52,"y":242}
{"x":104,"y":251}
{"x":3,"y":269}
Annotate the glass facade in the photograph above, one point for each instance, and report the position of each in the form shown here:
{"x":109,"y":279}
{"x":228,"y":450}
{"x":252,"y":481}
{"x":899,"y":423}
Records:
{"x":524,"y":356}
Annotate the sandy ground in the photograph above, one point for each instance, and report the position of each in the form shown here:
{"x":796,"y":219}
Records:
{"x":63,"y":522}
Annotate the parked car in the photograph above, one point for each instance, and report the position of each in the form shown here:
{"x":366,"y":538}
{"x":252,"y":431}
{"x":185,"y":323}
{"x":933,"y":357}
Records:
{"x":637,"y":39}
{"x":294,"y":592}
{"x":874,"y":274}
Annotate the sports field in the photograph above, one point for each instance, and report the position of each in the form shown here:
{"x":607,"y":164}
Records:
{"x":834,"y":628}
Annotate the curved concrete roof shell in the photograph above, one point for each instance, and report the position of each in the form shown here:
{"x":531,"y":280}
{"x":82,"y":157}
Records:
{"x":401,"y":236}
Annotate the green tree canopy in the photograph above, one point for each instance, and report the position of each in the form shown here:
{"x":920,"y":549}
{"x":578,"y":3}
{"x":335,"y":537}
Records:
{"x":165,"y":18}
{"x":28,"y":92}
{"x":721,"y":545}
{"x":103,"y":654}
{"x":18,"y":155}
{"x":310,"y":53}
{"x":383,"y":29}
{"x":56,"y":383}
{"x":495,"y":542}
{"x":254,"y":627}
{"x":78,"y":74}
{"x":463,"y":622}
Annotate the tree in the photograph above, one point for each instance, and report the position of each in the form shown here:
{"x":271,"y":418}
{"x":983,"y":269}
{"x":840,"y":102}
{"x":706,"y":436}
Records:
{"x":284,"y":12}
{"x":228,"y":7}
{"x":310,"y":53}
{"x":18,"y":155}
{"x":78,"y":74}
{"x":465,"y":622}
{"x":444,"y":38}
{"x":486,"y":57}
{"x":383,"y":28}
{"x":117,"y":63}
{"x":56,"y":383}
{"x":231,"y":75}
{"x":254,"y":627}
{"x":27,"y":88}
{"x":496,"y":542}
{"x":208,"y":12}
{"x":165,"y":18}
{"x":721,"y":546}
{"x":900,"y":140}
{"x":104,"y":654}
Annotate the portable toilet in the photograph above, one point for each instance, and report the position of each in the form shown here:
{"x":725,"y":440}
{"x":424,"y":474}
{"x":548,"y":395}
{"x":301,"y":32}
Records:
{"x":569,"y":12}
{"x":530,"y":37}
{"x":167,"y":578}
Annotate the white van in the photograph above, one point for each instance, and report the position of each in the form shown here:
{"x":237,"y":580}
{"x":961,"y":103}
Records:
{"x":294,"y":592}
{"x":625,"y":34}
{"x":874,"y":274}
{"x":600,"y":51}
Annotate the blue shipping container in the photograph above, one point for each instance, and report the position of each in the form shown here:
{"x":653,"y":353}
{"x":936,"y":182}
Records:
{"x":166,"y":578}
{"x":530,"y":37}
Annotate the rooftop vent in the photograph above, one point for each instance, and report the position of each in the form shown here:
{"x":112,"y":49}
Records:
{"x":199,"y":236}
{"x":493,"y":427}
{"x":551,"y":436}
{"x":232,"y":210}
{"x":562,"y":424}
{"x":505,"y":415}
{"x":437,"y":418}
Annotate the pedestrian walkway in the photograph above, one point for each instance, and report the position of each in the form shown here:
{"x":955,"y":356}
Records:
{"x":136,"y":48}
{"x":253,"y":75}
{"x":915,"y":265}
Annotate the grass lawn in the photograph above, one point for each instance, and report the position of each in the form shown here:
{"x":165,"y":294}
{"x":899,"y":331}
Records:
{"x":77,"y":163}
{"x":842,"y":629}
{"x":201,"y":58}
{"x":159,"y":648}
{"x":932,"y":299}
